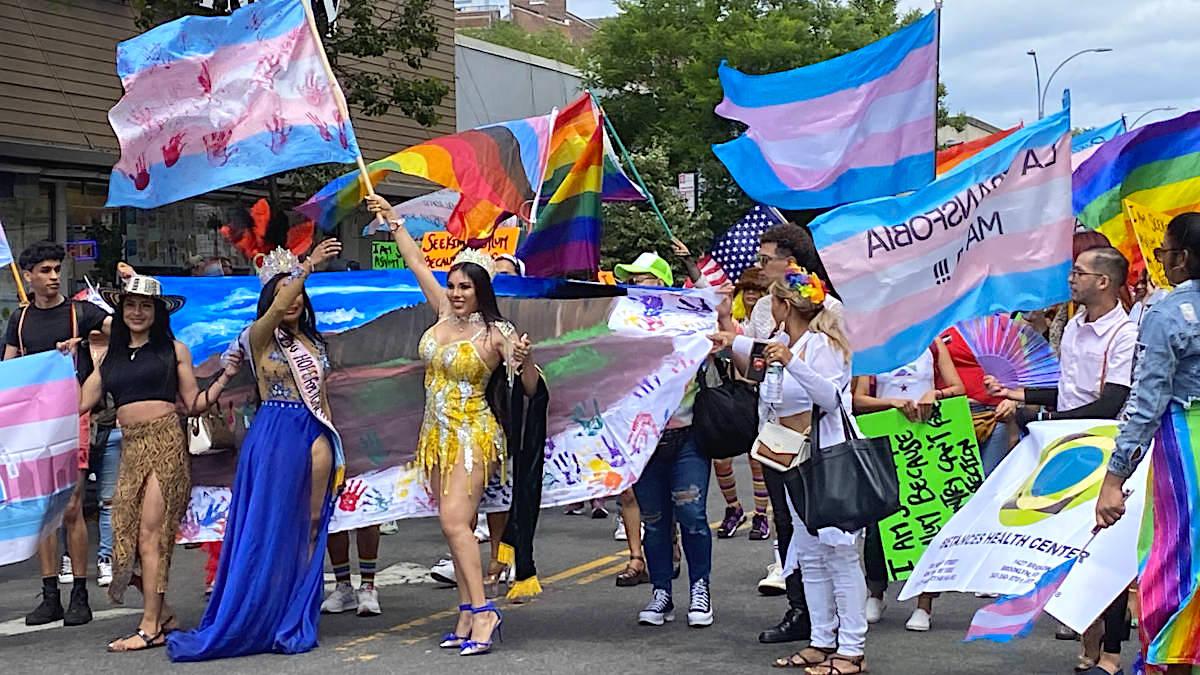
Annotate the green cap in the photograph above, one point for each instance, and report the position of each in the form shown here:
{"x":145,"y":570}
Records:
{"x":646,"y":263}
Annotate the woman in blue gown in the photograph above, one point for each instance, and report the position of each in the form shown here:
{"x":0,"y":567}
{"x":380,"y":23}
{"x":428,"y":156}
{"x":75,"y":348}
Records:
{"x":267,"y":595}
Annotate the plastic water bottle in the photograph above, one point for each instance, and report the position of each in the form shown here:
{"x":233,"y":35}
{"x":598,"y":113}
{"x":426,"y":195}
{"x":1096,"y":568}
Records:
{"x":771,"y":389}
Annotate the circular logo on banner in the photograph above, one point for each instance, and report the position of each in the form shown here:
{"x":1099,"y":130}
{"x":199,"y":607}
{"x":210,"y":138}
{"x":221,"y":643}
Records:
{"x":1069,"y":474}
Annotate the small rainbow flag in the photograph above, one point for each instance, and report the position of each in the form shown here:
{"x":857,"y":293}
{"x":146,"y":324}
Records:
{"x":1156,"y":166}
{"x":496,"y":169}
{"x":956,"y":154}
{"x":39,"y":449}
{"x":580,"y":174}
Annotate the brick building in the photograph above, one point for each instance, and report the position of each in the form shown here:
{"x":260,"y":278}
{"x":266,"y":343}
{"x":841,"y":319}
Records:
{"x":531,"y":15}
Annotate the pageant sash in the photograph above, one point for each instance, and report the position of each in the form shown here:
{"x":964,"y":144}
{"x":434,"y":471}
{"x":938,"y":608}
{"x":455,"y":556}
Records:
{"x":308,"y":372}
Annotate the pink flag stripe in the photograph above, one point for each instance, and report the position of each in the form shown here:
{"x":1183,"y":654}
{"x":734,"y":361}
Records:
{"x":879,"y":149}
{"x":1023,"y":606}
{"x":38,"y":402}
{"x":45,"y":471}
{"x":849,"y":260}
{"x":828,"y":113}
{"x":878,"y":326}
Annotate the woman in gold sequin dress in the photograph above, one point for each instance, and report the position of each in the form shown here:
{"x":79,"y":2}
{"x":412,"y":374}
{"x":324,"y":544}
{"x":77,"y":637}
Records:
{"x":461,"y":443}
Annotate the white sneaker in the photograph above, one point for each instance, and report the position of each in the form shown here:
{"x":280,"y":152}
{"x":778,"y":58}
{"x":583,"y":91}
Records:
{"x":390,"y":527}
{"x":443,"y":572}
{"x":103,"y":572}
{"x":340,"y":600}
{"x":875,"y":607}
{"x":919,"y":621}
{"x":65,"y":574}
{"x":774,"y":583}
{"x":620,"y":534}
{"x":700,"y":612}
{"x":368,"y":600}
{"x":660,"y":610}
{"x":481,"y":531}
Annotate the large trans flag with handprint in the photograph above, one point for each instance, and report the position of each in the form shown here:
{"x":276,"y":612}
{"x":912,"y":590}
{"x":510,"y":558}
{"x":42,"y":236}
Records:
{"x":617,"y":362}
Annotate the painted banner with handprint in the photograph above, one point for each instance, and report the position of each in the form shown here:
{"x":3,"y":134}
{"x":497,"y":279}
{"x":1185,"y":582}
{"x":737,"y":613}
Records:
{"x":215,"y":101}
{"x":617,"y":367}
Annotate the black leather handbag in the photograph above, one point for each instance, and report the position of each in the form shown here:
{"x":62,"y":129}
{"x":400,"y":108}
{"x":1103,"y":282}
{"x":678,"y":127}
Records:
{"x":725,"y":415}
{"x":849,"y":485}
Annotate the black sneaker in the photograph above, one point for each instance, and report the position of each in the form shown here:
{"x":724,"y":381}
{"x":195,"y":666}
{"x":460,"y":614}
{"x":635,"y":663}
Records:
{"x":700,"y":613}
{"x":660,"y":610}
{"x":49,"y":611}
{"x":78,"y":611}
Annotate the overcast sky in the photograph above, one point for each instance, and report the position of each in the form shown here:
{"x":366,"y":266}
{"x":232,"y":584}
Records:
{"x":988,"y":74}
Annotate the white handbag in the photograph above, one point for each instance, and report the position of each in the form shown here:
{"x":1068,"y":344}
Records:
{"x":780,"y":448}
{"x":209,"y":434}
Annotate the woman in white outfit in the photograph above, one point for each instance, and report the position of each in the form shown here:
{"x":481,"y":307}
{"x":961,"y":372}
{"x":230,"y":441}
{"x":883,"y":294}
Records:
{"x":816,"y":356}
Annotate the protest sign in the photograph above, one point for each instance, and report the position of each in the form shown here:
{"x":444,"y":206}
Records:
{"x":938,"y":465}
{"x":1150,"y":227}
{"x":385,"y":256}
{"x":440,"y":248}
{"x":1035,"y":511}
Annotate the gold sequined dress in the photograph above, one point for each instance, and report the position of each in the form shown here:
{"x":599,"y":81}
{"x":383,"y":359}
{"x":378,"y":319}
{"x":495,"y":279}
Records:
{"x":458,"y":421}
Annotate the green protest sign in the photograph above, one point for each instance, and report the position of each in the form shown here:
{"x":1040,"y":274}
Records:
{"x":938,"y":465}
{"x":385,"y":256}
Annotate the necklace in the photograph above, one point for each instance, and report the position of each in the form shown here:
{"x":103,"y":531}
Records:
{"x":473,"y":319}
{"x":133,"y":351}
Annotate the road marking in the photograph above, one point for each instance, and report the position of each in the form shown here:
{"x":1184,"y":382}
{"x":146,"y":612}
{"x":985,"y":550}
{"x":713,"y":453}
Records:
{"x":580,"y":569}
{"x":18,"y":627}
{"x":602,"y":574}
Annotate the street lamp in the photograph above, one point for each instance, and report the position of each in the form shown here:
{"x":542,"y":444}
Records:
{"x":1152,"y":110}
{"x":1037,"y":72}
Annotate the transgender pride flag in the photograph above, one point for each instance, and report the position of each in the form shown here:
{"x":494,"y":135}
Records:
{"x":39,"y":448}
{"x":994,"y":235}
{"x":215,"y":101}
{"x":1013,"y":616}
{"x":855,"y":127}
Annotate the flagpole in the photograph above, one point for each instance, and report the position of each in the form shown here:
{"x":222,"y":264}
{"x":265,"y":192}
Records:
{"x":937,"y":75}
{"x":21,"y":297}
{"x":338,"y":97}
{"x":632,"y":167}
{"x":537,"y":195}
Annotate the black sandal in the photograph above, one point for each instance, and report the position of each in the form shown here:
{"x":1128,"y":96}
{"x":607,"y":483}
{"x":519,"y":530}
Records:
{"x":633,"y":577}
{"x":804,"y":661}
{"x":150,"y":642}
{"x":830,"y":668}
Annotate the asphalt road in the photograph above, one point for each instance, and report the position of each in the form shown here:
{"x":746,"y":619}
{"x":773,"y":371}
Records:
{"x":581,"y":623}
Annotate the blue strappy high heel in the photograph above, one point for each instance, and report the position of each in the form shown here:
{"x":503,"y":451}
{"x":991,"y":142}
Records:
{"x":475,"y":648}
{"x":454,"y":640}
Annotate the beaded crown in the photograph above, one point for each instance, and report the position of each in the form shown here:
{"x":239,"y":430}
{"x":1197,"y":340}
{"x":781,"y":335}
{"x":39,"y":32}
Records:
{"x":481,"y":258}
{"x":279,"y":261}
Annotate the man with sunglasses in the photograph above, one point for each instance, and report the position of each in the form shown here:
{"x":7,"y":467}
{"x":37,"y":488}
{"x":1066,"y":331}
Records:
{"x":1096,"y":373}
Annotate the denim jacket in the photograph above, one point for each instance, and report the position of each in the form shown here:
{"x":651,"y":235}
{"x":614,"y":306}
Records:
{"x":1168,"y":369}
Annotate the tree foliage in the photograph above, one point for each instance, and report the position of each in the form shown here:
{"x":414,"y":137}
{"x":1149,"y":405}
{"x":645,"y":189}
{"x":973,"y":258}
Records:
{"x":548,"y":43}
{"x":630,"y":229}
{"x":655,"y":66}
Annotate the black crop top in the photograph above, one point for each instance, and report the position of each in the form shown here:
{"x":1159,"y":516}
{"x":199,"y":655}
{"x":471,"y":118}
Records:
{"x":151,"y":374}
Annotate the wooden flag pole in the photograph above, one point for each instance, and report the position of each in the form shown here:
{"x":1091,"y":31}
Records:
{"x":21,"y":297}
{"x":338,"y":97}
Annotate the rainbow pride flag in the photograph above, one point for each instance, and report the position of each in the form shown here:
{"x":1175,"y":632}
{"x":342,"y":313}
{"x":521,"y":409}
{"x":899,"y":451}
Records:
{"x":581,"y":173}
{"x":1156,"y":166}
{"x":957,"y":154}
{"x":39,"y":449}
{"x":496,"y":169}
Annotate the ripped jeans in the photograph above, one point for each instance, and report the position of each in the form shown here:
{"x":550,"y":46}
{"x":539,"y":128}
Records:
{"x":674,"y":489}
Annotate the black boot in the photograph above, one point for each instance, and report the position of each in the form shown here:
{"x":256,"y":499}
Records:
{"x":51,"y":608}
{"x":78,"y":612}
{"x":795,"y":627}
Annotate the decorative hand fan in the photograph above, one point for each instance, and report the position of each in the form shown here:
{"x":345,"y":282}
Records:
{"x":1011,"y":351}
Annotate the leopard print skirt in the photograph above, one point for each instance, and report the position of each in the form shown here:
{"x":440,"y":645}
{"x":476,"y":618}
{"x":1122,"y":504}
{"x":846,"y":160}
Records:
{"x":157,"y":447}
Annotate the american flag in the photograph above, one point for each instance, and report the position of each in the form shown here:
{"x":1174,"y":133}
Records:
{"x":737,"y":249}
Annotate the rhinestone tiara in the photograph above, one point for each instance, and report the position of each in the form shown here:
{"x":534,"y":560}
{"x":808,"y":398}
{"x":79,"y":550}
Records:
{"x":474,"y":255}
{"x":279,"y":261}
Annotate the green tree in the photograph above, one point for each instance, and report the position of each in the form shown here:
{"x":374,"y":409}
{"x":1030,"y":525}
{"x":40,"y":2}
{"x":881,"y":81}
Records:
{"x":547,"y":43}
{"x":630,"y":229}
{"x":655,"y":68}
{"x":403,"y":33}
